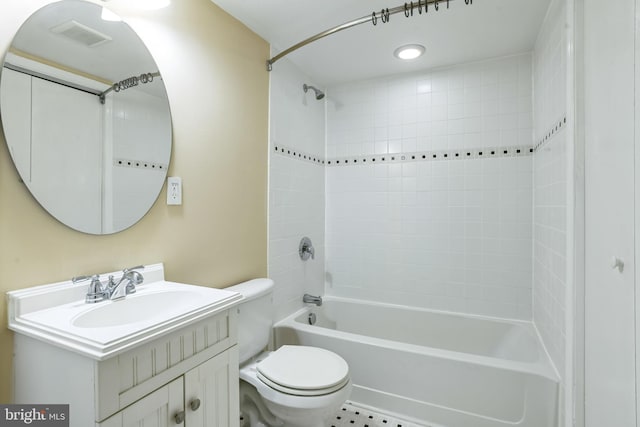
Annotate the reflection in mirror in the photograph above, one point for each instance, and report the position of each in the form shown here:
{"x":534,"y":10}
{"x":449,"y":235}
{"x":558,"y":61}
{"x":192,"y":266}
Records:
{"x":86,"y":117}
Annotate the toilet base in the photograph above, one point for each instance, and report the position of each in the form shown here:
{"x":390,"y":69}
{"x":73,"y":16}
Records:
{"x":261,"y":412}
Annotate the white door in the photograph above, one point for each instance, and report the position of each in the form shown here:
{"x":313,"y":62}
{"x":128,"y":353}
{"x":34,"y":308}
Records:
{"x":162,"y":408}
{"x":211,"y":392}
{"x":610,"y":376}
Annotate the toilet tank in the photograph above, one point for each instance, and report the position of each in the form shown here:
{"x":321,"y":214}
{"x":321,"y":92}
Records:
{"x":255,"y":316}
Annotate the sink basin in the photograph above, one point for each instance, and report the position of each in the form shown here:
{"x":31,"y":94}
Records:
{"x":135,"y":308}
{"x":57,"y":313}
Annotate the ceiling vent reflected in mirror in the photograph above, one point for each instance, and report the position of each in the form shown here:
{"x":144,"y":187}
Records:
{"x":81,"y":33}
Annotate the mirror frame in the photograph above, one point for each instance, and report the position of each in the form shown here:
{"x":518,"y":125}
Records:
{"x":126,"y":168}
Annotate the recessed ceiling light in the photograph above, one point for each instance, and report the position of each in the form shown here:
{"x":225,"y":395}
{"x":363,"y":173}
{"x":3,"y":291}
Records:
{"x":409,"y":51}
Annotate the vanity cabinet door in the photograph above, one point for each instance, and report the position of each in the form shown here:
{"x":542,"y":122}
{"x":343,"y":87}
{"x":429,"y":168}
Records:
{"x":211,"y":392}
{"x":162,"y":408}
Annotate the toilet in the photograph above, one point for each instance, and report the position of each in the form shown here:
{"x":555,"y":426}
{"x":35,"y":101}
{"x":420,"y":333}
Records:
{"x":293,"y":386}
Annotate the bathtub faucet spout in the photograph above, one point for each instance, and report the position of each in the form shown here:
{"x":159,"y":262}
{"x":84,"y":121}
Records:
{"x":310,"y":299}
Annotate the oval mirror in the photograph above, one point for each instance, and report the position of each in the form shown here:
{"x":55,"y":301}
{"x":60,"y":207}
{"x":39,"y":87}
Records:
{"x":86,"y":116}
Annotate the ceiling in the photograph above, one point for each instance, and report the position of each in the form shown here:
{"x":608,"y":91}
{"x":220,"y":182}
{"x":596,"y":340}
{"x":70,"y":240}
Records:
{"x":463,"y":33}
{"x":122,"y":56}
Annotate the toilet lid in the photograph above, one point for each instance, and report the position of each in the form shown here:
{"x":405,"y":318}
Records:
{"x":304,"y":370}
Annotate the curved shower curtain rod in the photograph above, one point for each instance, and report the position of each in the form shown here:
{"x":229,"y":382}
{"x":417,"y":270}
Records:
{"x":128,"y":83}
{"x":383,"y":15}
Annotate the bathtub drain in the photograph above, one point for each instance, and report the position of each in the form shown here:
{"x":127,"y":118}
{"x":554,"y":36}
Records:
{"x":312,"y":318}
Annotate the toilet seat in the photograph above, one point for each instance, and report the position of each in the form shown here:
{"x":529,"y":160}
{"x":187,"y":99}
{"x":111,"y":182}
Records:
{"x":303,"y":371}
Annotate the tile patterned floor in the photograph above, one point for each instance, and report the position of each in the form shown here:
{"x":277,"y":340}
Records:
{"x":353,"y":416}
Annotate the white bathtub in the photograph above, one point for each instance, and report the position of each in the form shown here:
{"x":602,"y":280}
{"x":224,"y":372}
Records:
{"x":448,"y":369}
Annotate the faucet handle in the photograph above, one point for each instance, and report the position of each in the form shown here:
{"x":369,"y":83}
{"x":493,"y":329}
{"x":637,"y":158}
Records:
{"x":134,"y":276}
{"x":305,"y":249}
{"x":95,"y":281}
{"x":96,"y":291}
{"x":77,"y":279}
{"x":137,"y":267}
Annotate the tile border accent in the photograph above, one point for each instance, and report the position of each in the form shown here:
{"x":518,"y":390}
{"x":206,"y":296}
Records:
{"x":438,"y":155}
{"x":548,"y":136}
{"x":298,"y":155}
{"x":139,"y":164}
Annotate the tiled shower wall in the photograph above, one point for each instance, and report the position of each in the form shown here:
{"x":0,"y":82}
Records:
{"x":296,"y":187}
{"x":550,"y":183}
{"x":429,"y":189}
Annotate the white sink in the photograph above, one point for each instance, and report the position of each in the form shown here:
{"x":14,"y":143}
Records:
{"x":151,"y":306}
{"x":58,"y":314}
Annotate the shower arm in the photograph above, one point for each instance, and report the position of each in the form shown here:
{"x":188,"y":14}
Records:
{"x":384,"y":16}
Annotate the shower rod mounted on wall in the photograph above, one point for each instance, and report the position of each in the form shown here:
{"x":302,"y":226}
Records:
{"x":383,"y":16}
{"x":128,"y":83}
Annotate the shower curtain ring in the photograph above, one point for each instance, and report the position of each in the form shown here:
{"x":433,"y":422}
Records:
{"x":406,"y":10}
{"x":420,"y":7}
{"x":374,"y":19}
{"x":435,"y":3}
{"x":385,"y":15}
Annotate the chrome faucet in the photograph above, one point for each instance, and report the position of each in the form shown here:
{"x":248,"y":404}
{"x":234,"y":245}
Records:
{"x":126,"y":285}
{"x":310,"y":299}
{"x":97,"y":291}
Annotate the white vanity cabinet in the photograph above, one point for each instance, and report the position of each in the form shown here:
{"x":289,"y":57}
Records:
{"x":158,"y":409}
{"x":203,"y":397}
{"x":191,"y":373}
{"x":165,"y":355}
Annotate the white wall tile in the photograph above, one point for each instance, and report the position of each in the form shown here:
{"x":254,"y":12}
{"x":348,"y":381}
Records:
{"x":549,"y":183}
{"x":446,"y":234}
{"x":296,"y":188}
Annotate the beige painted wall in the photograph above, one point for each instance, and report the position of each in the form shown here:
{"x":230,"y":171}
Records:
{"x":214,"y":71}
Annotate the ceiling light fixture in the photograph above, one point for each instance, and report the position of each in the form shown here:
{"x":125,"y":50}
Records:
{"x":409,"y":51}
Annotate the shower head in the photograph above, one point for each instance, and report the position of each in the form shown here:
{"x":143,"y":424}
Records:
{"x":319,"y":93}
